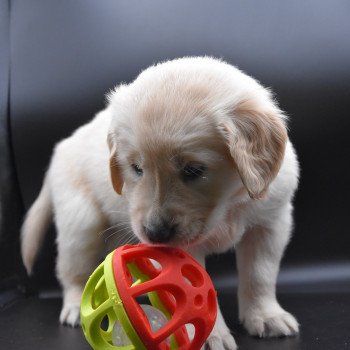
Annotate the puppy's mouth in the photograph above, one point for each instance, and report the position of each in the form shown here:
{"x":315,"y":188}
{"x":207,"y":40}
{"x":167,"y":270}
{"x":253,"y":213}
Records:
{"x":184,"y":242}
{"x":179,"y":241}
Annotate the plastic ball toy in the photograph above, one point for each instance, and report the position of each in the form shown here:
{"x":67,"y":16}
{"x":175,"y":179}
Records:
{"x":148,"y":297}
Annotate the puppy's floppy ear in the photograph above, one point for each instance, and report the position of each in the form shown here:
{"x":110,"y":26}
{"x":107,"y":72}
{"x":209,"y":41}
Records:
{"x":115,"y":170}
{"x":256,"y":138}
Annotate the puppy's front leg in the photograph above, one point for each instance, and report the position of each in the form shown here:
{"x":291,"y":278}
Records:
{"x":79,"y":250}
{"x":258,"y":258}
{"x":220,"y":337}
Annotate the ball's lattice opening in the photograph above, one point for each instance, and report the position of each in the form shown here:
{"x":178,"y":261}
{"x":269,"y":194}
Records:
{"x":143,"y":297}
{"x":155,"y":318}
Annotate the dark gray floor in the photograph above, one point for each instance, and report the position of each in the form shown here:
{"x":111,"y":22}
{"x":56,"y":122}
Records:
{"x":325,"y":324}
{"x":324,"y":320}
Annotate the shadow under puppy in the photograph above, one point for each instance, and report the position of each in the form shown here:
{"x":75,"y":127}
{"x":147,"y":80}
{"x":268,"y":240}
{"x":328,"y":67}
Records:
{"x":200,"y":158}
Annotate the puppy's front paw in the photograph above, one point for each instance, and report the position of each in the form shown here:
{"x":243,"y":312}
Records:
{"x":70,"y":315}
{"x":220,"y":339}
{"x":266,"y":325}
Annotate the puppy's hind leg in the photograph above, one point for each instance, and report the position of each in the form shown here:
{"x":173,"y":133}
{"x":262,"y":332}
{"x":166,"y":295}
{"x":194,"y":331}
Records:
{"x":80,"y":247}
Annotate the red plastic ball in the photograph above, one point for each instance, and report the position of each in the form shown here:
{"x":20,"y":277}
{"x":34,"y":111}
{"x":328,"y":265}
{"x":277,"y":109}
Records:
{"x":179,"y":282}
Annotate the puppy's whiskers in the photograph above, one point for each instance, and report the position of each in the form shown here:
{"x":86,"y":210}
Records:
{"x":115,"y":233}
{"x":130,"y":238}
{"x":113,"y":227}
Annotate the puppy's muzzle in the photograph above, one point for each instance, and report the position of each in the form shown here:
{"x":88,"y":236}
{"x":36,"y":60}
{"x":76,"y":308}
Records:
{"x":161,"y":231}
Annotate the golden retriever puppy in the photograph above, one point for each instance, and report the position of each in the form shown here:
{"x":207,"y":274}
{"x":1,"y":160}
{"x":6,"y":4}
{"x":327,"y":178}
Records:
{"x":198,"y":158}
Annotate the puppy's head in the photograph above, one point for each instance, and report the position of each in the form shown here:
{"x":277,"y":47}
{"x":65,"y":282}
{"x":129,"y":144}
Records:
{"x":187,"y":137}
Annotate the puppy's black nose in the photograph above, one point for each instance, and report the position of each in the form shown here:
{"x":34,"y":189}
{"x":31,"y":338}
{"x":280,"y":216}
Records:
{"x":161,"y":232}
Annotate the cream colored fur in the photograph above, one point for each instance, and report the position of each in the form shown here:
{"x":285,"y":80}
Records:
{"x":198,"y":112}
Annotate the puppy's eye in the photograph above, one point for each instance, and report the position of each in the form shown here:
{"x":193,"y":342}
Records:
{"x":193,"y":172}
{"x":137,"y":169}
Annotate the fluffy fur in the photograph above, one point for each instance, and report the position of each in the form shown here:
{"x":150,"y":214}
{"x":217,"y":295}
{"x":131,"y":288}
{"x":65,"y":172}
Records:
{"x":198,"y":157}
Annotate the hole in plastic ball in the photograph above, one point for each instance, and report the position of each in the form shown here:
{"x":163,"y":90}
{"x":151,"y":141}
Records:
{"x":198,"y":300}
{"x":156,"y":264}
{"x":104,"y":323}
{"x":191,"y":330}
{"x":119,"y":337}
{"x":156,"y":320}
{"x":192,"y":275}
{"x":212,"y":303}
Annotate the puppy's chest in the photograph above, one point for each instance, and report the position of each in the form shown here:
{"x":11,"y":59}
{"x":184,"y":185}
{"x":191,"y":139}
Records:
{"x":228,"y":233}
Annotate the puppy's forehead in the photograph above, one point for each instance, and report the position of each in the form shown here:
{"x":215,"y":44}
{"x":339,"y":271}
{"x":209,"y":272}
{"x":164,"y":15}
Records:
{"x":173,"y":124}
{"x":170,"y":113}
{"x":165,"y":138}
{"x":168,"y":131}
